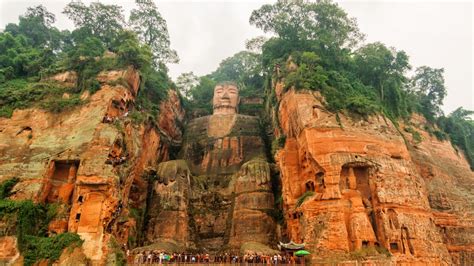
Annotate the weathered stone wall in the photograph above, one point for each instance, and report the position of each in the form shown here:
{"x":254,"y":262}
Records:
{"x":91,"y":159}
{"x":365,"y":189}
{"x":450,"y":185}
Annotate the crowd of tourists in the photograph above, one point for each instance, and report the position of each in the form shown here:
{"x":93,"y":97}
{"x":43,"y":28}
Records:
{"x":159,"y":257}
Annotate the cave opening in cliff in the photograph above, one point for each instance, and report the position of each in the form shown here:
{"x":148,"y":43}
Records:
{"x":320,"y":186}
{"x":356,"y":176}
{"x":309,"y":186}
{"x":60,"y":183}
{"x":394,"y":247}
{"x":365,"y":244}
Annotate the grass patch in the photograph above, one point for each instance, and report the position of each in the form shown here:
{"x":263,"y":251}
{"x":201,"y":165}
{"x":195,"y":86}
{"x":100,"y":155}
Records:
{"x":277,"y":144}
{"x":22,"y":94}
{"x":29,"y":221}
{"x":416,"y":135}
{"x":6,"y":187}
{"x":304,"y":197}
{"x":117,"y":257}
{"x":50,"y":248}
{"x":57,"y":105}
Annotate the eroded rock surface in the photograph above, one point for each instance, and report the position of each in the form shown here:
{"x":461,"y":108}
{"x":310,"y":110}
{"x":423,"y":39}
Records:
{"x":90,"y":160}
{"x":450,"y":185}
{"x":349,"y":184}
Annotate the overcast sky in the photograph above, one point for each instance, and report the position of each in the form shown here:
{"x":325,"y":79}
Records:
{"x":434,"y":33}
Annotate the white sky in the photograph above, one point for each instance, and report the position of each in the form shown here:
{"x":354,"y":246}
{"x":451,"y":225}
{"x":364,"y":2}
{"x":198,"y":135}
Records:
{"x":434,"y":33}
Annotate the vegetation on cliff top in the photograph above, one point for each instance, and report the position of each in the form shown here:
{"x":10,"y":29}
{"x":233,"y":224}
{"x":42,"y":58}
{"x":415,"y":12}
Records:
{"x":34,"y":49}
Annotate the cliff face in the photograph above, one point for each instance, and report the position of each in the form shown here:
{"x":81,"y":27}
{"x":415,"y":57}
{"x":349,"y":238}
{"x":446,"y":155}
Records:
{"x":90,"y":160}
{"x":349,"y":184}
{"x":450,"y":185}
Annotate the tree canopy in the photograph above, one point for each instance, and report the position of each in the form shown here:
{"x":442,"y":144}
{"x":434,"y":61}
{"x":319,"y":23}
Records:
{"x":152,"y":30}
{"x":102,"y":21}
{"x":300,"y":21}
{"x":428,"y":86}
{"x":101,"y":40}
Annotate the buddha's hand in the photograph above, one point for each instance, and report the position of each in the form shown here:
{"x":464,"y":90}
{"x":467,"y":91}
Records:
{"x":256,"y":170}
{"x":171,"y":171}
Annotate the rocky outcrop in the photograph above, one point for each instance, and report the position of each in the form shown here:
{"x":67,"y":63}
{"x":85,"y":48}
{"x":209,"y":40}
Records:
{"x":351,"y":183}
{"x":169,"y":205}
{"x":90,"y":160}
{"x":450,"y":186}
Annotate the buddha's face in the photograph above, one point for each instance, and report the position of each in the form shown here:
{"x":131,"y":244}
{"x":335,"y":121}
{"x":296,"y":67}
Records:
{"x":226,"y":99}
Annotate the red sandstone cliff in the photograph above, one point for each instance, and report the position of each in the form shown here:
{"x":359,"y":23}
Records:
{"x":91,"y":160}
{"x":352,"y":183}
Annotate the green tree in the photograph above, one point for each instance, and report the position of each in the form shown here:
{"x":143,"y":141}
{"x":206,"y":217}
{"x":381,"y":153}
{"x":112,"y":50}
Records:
{"x":131,"y":52}
{"x":245,"y":68}
{"x":82,"y":59}
{"x":151,"y":28}
{"x":186,"y":82}
{"x":460,"y":128}
{"x":256,"y":44}
{"x":309,"y":74}
{"x":102,"y":21}
{"x":384,"y":70}
{"x":300,"y":21}
{"x":37,"y":26}
{"x":321,"y":27}
{"x":18,"y":59}
{"x":428,"y":86}
{"x":202,"y":94}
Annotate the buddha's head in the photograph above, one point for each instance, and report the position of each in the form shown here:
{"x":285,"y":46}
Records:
{"x":226,"y":98}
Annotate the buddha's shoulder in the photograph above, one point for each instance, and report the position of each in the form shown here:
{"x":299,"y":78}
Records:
{"x":246,"y":119}
{"x":240,"y":124}
{"x":200,"y":120}
{"x":205,"y":119}
{"x":246,"y":125}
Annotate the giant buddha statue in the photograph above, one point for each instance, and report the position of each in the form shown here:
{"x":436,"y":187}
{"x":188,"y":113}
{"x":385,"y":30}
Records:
{"x":218,"y":196}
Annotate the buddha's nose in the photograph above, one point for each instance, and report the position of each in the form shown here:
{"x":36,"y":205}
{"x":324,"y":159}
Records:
{"x":225,"y":96}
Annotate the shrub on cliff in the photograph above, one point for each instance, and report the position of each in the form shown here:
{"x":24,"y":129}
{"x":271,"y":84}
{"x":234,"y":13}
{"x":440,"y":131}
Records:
{"x":57,"y":105}
{"x":460,"y":128}
{"x":21,"y":94}
{"x":304,"y":197}
{"x":29,"y":221}
{"x":49,"y":248}
{"x":6,"y":187}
